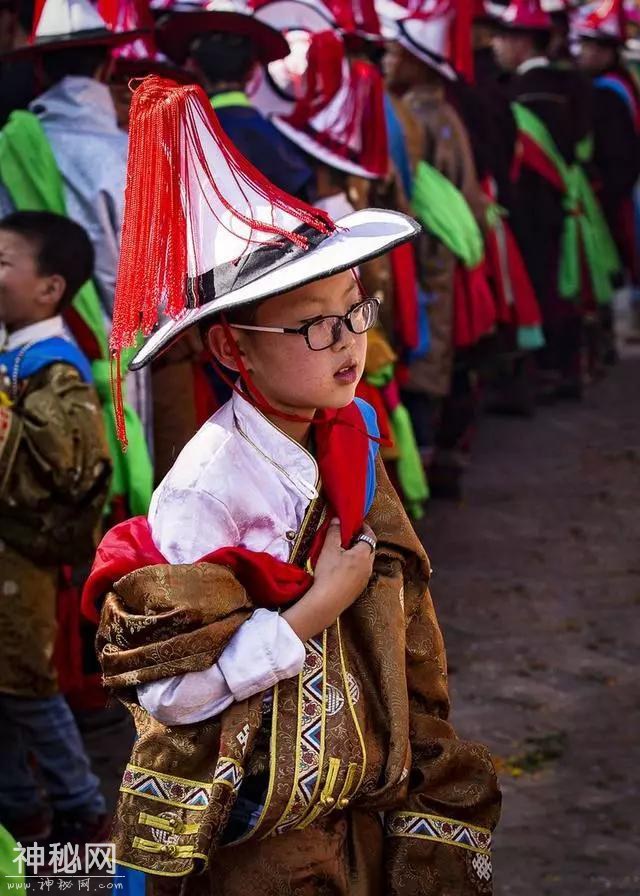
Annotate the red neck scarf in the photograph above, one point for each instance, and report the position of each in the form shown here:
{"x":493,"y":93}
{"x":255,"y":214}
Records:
{"x":342,"y":447}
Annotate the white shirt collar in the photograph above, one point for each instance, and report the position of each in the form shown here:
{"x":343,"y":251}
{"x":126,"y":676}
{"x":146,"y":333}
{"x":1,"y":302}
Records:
{"x":534,"y":62}
{"x":44,"y":329}
{"x":288,"y":456}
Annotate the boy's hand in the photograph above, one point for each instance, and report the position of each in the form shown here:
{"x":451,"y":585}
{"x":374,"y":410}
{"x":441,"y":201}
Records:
{"x":344,"y":574}
{"x":340,"y":577}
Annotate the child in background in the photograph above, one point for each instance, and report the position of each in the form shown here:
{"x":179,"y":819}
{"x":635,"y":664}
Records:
{"x":54,"y":476}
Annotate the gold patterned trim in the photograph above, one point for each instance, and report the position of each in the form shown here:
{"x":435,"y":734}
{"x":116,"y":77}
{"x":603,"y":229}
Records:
{"x":346,"y":792}
{"x":172,"y":825}
{"x":323,"y":736}
{"x":167,"y":789}
{"x":228,"y":772}
{"x":171,"y":850}
{"x":327,"y":802}
{"x":272,"y":773}
{"x":352,"y":708}
{"x":439,"y":829}
{"x":312,"y":651}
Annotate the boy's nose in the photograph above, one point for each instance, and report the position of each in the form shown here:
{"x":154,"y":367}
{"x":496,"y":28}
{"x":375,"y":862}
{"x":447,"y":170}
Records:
{"x":346,"y":339}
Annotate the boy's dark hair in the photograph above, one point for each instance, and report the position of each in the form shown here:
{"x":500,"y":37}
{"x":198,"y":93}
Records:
{"x":78,"y":61}
{"x":243,"y":314}
{"x":540,"y":41}
{"x":61,"y":247}
{"x":224,"y":58}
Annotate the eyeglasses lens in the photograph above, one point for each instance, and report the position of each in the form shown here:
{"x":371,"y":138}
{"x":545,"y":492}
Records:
{"x":326,"y":331}
{"x":364,"y":316}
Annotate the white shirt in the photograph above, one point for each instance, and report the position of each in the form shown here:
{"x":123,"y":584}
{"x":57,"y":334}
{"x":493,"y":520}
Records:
{"x":239,"y":482}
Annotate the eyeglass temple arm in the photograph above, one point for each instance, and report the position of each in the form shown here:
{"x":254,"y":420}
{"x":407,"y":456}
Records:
{"x":263,"y":329}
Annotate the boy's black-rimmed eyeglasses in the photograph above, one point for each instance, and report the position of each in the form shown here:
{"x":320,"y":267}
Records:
{"x":326,"y":331}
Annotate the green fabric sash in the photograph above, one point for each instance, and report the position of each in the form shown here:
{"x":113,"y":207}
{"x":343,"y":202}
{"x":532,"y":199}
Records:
{"x":29,"y":172}
{"x":586,"y":234}
{"x":230,"y":98}
{"x":530,"y":338}
{"x":445,"y":213}
{"x":409,"y":468}
{"x":11,"y":871}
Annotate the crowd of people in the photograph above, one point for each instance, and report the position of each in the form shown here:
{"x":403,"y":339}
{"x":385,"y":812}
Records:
{"x":510,"y":132}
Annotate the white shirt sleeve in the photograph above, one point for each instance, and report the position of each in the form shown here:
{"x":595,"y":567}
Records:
{"x":264,"y":651}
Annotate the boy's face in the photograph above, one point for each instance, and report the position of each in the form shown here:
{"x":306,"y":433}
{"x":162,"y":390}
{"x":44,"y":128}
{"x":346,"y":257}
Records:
{"x":512,"y":49}
{"x":596,"y":57}
{"x":26,"y":296}
{"x":401,"y":69}
{"x":282,"y":366}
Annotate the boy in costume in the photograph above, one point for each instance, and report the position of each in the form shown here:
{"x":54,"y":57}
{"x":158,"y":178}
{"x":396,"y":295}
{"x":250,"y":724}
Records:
{"x":66,"y":154}
{"x":54,"y":478}
{"x":446,"y":198}
{"x":616,"y":140}
{"x":279,"y":655}
{"x":564,"y":241}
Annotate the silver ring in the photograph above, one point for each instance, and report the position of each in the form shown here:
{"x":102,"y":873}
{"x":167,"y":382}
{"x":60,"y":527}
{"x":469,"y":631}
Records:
{"x":368,"y":540}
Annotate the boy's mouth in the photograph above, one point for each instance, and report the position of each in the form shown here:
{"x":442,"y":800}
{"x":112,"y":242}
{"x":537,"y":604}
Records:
{"x":347,"y":374}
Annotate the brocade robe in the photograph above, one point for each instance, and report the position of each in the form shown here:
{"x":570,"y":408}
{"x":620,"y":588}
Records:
{"x":54,"y":478}
{"x":368,"y":789}
{"x":446,"y":148}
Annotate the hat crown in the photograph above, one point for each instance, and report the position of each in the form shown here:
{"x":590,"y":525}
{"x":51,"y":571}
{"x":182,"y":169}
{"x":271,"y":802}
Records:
{"x":439,"y":33}
{"x":193,"y":204}
{"x":334,"y":112}
{"x":53,"y":18}
{"x":526,"y":14}
{"x":130,"y":15}
{"x":603,"y":19}
{"x":431,"y":29}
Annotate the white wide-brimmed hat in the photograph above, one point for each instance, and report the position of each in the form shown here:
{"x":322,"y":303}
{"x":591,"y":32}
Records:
{"x":63,"y":24}
{"x":426,"y":34}
{"x":205,"y":232}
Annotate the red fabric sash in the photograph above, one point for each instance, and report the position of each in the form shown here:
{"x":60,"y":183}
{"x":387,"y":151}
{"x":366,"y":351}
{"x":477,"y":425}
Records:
{"x":474,"y":306}
{"x":530,"y":155}
{"x":516,"y":300}
{"x":403,"y":269}
{"x":342,"y":456}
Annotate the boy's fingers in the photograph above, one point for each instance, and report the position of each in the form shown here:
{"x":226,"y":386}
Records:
{"x":333,"y":532}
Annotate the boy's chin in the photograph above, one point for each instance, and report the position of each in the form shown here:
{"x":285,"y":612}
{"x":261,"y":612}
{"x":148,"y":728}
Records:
{"x":338,"y":400}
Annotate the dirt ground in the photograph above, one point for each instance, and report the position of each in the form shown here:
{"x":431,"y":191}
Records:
{"x":537,"y":587}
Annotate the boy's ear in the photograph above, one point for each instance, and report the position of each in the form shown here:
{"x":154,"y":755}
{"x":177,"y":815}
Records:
{"x":54,"y":287}
{"x":217,"y":341}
